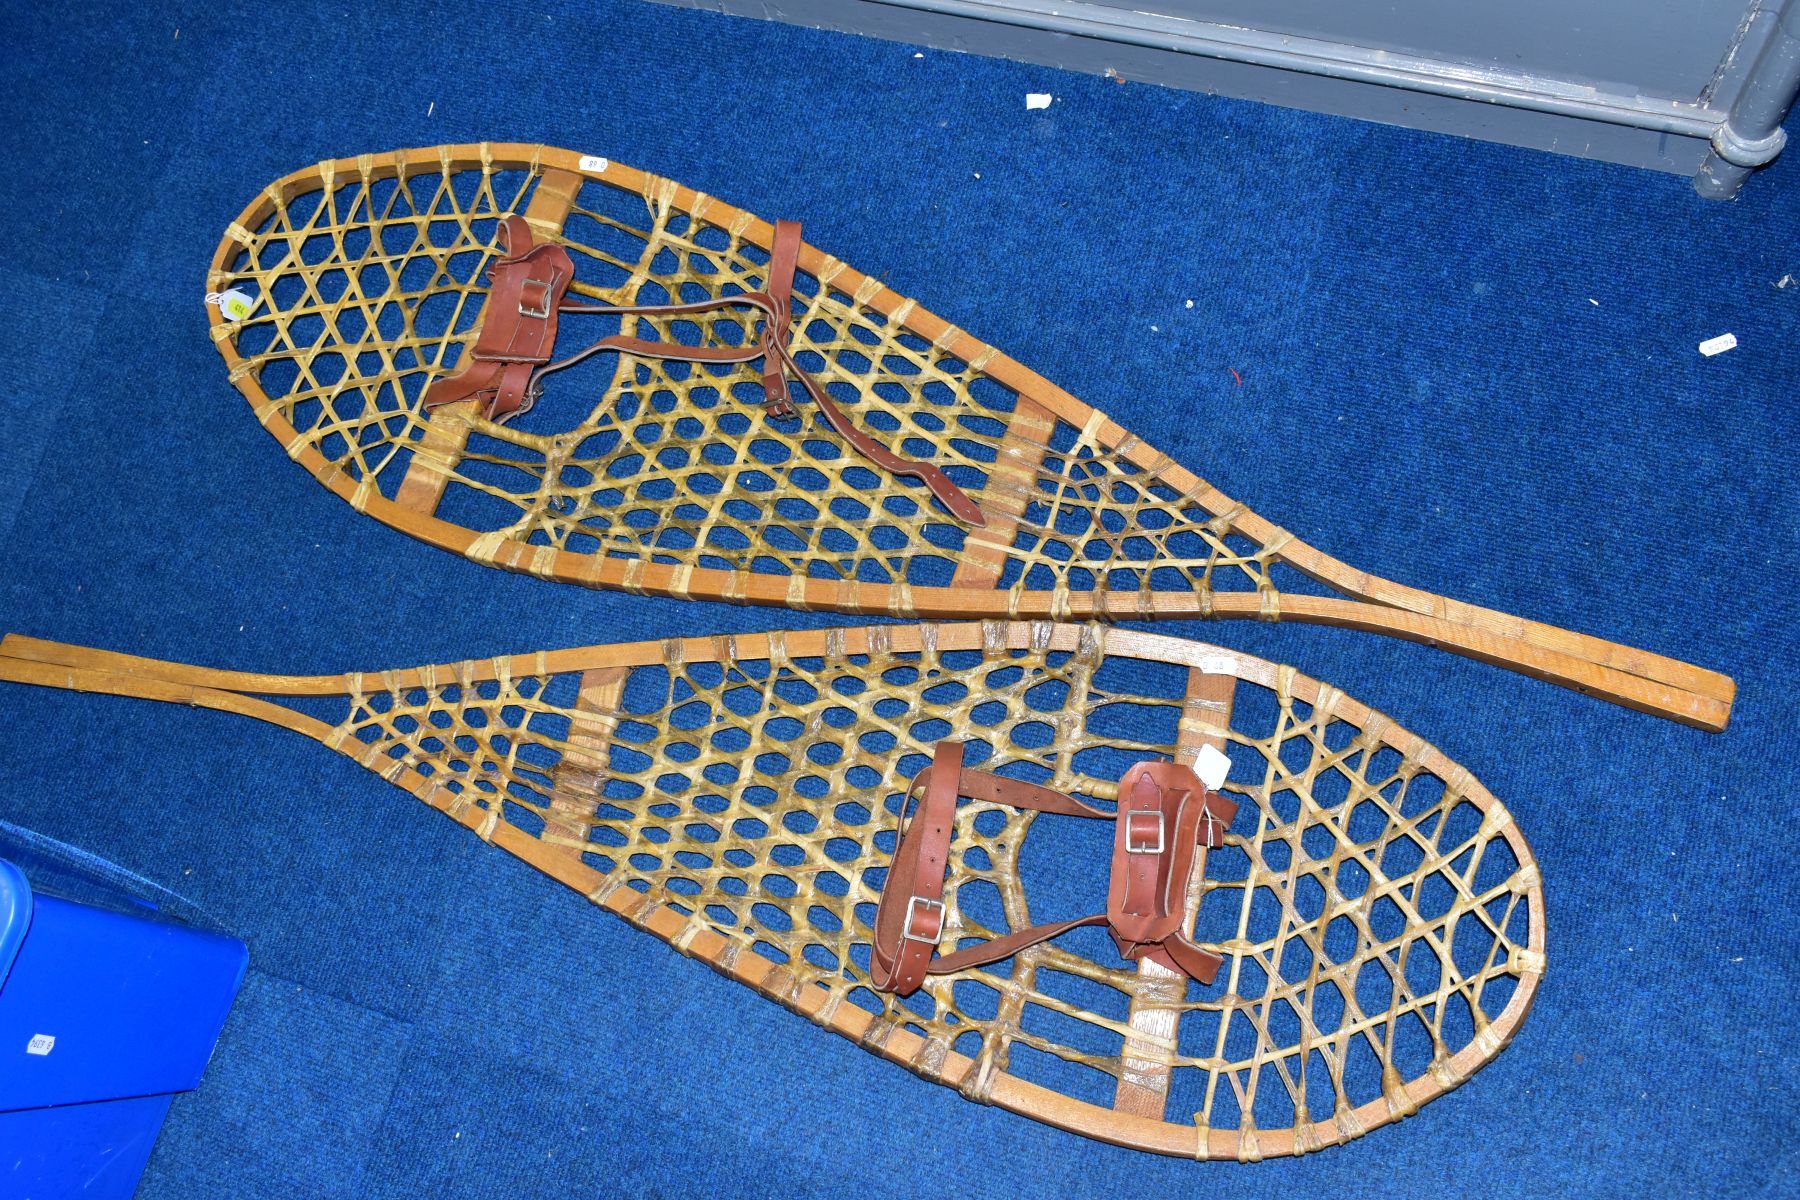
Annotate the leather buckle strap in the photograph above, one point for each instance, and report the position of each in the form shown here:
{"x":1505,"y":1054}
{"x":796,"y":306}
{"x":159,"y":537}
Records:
{"x":784,"y":259}
{"x":1165,"y":815}
{"x":1144,"y":832}
{"x":526,"y":285}
{"x":933,"y":910}
{"x":535,"y":296}
{"x":901,"y":953}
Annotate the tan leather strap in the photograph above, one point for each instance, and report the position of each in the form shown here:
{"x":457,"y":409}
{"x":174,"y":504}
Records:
{"x":1164,"y":814}
{"x":909,"y":921}
{"x":1016,"y":793}
{"x":669,"y":350}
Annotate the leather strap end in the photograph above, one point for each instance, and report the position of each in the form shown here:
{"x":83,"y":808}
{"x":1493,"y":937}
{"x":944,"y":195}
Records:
{"x":442,"y":392}
{"x":514,"y":393}
{"x":951,"y":496}
{"x":1216,"y":814}
{"x":475,"y":383}
{"x":515,"y":235}
{"x":1195,"y":961}
{"x":776,"y":401}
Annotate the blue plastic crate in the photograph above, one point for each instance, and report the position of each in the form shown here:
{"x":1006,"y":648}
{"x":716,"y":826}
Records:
{"x":104,"y":1017}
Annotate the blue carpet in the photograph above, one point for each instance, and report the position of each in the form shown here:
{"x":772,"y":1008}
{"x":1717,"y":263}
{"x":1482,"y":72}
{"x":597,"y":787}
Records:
{"x":1467,"y":367}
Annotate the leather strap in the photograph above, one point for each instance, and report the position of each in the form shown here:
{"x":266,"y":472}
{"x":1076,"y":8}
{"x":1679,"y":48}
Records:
{"x":511,"y":356}
{"x":784,"y":257}
{"x":929,"y":474}
{"x":1164,"y":813}
{"x":907,"y":932}
{"x":1007,"y":945}
{"x":526,"y":288}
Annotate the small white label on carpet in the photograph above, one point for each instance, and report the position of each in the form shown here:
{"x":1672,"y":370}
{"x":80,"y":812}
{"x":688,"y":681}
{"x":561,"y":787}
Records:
{"x":40,"y":1044}
{"x":1719,"y":345}
{"x":1038,"y":99}
{"x":592,"y":162}
{"x":1218,"y":664}
{"x":1212,"y":766}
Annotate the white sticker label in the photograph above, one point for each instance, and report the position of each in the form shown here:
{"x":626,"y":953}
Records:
{"x":1218,"y":664}
{"x":236,"y":304}
{"x":1719,"y":345}
{"x":1211,"y":766}
{"x":1034,"y":100}
{"x":592,"y":162}
{"x":40,"y":1044}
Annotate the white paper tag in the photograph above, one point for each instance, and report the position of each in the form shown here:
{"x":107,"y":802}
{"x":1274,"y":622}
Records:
{"x":40,"y":1044}
{"x":1212,"y":766}
{"x":1218,"y":664}
{"x":236,"y":304}
{"x":1034,"y":100}
{"x":592,"y":162}
{"x":1719,"y":345}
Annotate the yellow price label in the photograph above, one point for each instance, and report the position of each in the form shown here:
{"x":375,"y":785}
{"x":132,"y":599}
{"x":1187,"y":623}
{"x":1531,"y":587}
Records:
{"x":235,"y":304}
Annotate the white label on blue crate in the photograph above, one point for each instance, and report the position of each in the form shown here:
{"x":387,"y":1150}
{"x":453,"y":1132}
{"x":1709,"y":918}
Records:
{"x":592,"y":162}
{"x":40,"y":1044}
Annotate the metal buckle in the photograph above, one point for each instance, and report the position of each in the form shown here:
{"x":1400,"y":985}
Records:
{"x":914,"y":906}
{"x":549,"y":287}
{"x":1132,"y":843}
